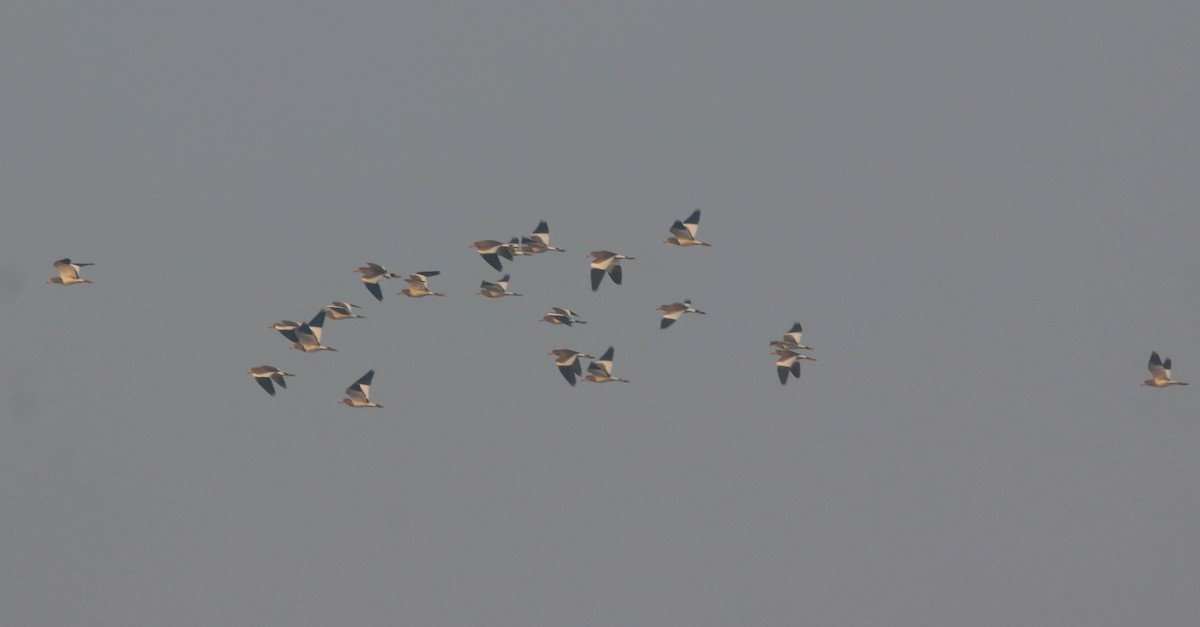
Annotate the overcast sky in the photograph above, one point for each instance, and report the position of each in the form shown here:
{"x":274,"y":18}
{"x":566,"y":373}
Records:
{"x":985,"y":214}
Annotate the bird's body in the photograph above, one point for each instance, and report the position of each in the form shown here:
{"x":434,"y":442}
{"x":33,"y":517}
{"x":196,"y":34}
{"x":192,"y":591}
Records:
{"x":492,"y":250}
{"x":606,"y":261}
{"x":672,"y":312}
{"x":339,"y":310}
{"x":359,"y":394}
{"x":1160,"y":372}
{"x":683,"y":232}
{"x":496,"y":289}
{"x":372,"y":274}
{"x":600,"y":371}
{"x":418,"y":284}
{"x":789,"y":363}
{"x":68,"y":272}
{"x":568,"y":363}
{"x":264,"y":375}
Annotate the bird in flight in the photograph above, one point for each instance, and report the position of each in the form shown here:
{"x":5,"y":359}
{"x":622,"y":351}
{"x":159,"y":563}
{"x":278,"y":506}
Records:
{"x":605,"y":261}
{"x":791,"y":340}
{"x":683,"y":233}
{"x":492,"y":250}
{"x":308,"y":335}
{"x":538,"y":242}
{"x":372,"y":274}
{"x":789,"y":363}
{"x":68,"y":272}
{"x":359,"y":394}
{"x":496,"y":289}
{"x":264,"y":375}
{"x":418,"y":284}
{"x":1160,"y":372}
{"x":340,"y":311}
{"x":568,"y":363}
{"x":672,"y":312}
{"x":558,"y":315}
{"x":600,"y":371}
{"x":287,"y":328}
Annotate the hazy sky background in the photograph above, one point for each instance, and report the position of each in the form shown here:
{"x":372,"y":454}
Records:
{"x":986,"y":215}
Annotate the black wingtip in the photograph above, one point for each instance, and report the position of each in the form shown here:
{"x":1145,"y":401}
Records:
{"x":266,"y":385}
{"x":597,"y":276}
{"x":666,"y":322}
{"x":375,"y":291}
{"x":494,"y":261}
{"x":694,"y":218}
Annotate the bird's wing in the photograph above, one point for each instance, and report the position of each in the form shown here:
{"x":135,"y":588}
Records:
{"x":317,"y":324}
{"x":541,"y":233}
{"x":692,"y":224}
{"x":66,"y":269}
{"x":568,"y":373}
{"x":493,"y":260}
{"x":605,"y":363}
{"x":361,"y":388}
{"x":615,"y":273}
{"x":1157,"y":369}
{"x":265,"y":383}
{"x":680,"y":231}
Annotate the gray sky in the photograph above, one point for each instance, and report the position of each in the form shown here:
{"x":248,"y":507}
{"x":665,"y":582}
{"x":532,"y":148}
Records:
{"x":985,"y":215}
